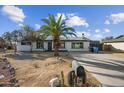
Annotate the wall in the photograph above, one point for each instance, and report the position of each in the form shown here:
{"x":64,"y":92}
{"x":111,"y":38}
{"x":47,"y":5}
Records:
{"x":116,"y":46}
{"x":45,"y":45}
{"x":69,"y":47}
{"x":85,"y":46}
{"x":35,"y":48}
{"x":23,"y":47}
{"x":27,"y":47}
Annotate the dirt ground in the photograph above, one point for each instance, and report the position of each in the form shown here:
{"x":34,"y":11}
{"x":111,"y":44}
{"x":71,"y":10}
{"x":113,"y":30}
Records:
{"x":38,"y":68}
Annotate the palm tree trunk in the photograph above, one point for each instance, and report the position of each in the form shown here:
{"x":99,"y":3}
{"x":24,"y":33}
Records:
{"x":56,"y":46}
{"x":56,"y":51}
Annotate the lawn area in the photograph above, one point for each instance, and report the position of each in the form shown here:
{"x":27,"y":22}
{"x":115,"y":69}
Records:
{"x":38,"y":68}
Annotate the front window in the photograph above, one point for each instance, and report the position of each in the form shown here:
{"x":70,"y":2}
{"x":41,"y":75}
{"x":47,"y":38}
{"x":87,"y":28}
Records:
{"x":39,"y":45}
{"x":25,"y":43}
{"x":62,"y":45}
{"x":77,"y":45}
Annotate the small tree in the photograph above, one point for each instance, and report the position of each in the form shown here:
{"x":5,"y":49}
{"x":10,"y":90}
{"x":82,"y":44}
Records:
{"x":30,"y":35}
{"x":7,"y":36}
{"x":120,"y":36}
{"x":108,"y":38}
{"x":16,"y":36}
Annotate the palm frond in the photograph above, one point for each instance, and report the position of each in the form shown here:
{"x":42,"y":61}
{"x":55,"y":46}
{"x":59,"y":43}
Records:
{"x":56,"y":27}
{"x":59,"y":20}
{"x":46,"y":21}
{"x":70,"y":33}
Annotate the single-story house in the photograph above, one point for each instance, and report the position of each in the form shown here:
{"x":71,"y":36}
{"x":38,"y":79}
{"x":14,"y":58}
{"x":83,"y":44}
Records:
{"x":67,"y":44}
{"x":116,"y":44}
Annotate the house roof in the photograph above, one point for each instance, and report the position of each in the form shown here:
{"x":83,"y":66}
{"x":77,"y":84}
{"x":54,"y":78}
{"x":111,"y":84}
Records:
{"x":50,"y":38}
{"x":118,"y":39}
{"x":70,"y":38}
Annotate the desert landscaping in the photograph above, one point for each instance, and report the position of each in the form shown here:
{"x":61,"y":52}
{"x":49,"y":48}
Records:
{"x":56,"y":53}
{"x":38,"y":68}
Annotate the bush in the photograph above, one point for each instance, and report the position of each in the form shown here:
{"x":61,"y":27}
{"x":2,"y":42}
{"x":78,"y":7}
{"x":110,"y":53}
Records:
{"x":9,"y":47}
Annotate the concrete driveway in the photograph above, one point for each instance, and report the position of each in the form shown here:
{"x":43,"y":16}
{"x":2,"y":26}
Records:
{"x":107,"y":68}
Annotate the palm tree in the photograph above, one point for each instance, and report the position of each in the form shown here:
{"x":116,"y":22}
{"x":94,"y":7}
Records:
{"x":56,"y":28}
{"x":30,"y":35}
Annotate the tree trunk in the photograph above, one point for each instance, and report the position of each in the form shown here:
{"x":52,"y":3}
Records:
{"x":56,"y":51}
{"x":56,"y":42}
{"x":11,"y":44}
{"x":31,"y":47}
{"x":15,"y":48}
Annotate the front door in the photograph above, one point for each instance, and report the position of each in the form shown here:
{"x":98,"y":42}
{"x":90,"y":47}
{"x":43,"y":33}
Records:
{"x":49,"y":46}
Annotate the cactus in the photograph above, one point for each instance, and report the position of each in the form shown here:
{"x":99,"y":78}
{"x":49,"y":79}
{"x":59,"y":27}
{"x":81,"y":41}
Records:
{"x":62,"y":79}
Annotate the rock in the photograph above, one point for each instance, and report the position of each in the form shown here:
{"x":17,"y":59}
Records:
{"x":7,"y":76}
{"x":16,"y":85}
{"x":12,"y":71}
{"x":55,"y":82}
{"x":2,"y":77}
{"x":6,"y":61}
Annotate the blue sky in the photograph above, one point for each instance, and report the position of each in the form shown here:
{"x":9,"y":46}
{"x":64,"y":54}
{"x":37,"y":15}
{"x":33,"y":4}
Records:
{"x":95,"y":22}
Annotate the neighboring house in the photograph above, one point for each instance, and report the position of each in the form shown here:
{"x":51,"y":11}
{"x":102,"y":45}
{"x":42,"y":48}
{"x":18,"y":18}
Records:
{"x":70,"y":44}
{"x":114,"y":44}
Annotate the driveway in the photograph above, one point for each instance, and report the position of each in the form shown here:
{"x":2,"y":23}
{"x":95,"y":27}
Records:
{"x":107,"y":68}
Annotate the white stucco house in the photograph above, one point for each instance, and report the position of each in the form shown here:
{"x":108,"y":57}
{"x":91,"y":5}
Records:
{"x":116,"y":44}
{"x":70,"y":44}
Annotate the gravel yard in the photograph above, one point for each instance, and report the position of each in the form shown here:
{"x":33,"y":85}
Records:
{"x":38,"y":68}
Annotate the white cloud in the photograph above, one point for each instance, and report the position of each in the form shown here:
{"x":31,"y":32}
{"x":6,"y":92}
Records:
{"x":117,"y":18}
{"x":76,"y":21}
{"x":70,"y":15}
{"x":107,"y":22}
{"x":20,"y":24}
{"x":14,"y":13}
{"x":106,"y":30}
{"x":86,"y":34}
{"x":37,"y":26}
{"x":97,"y":30}
{"x":98,"y":36}
{"x":73,"y":20}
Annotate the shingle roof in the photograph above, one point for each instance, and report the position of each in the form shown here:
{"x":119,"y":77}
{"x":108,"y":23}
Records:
{"x":50,"y":38}
{"x":71,"y":38}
